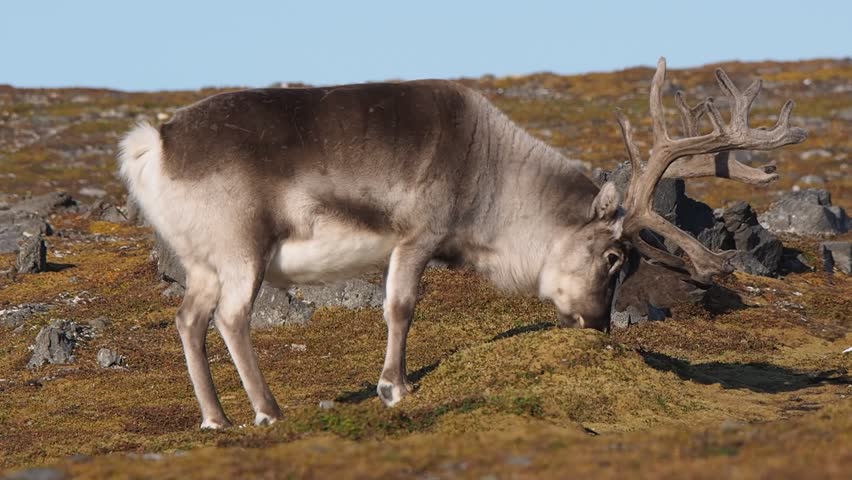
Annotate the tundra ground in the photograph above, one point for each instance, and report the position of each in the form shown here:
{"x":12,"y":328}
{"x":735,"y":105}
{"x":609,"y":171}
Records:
{"x":759,"y":389}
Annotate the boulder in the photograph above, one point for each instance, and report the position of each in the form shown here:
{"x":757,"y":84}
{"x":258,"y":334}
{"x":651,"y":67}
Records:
{"x":806,"y":212}
{"x":837,"y":256}
{"x":55,"y":343}
{"x":759,"y":252}
{"x":32,"y":256}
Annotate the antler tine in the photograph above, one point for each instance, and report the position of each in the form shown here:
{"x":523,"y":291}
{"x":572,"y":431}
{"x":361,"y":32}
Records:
{"x":629,"y":144}
{"x":690,"y":116}
{"x":698,"y":159}
{"x":722,"y":164}
{"x":657,"y":112}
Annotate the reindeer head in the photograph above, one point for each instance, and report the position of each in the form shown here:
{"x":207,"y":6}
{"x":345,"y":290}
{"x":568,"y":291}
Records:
{"x":580,"y":274}
{"x":582,"y":265}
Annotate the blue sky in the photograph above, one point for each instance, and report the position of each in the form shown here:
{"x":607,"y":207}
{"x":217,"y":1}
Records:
{"x":156,"y":44}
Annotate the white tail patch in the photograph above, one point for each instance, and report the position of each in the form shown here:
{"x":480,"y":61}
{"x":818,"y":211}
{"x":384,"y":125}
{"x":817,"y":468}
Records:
{"x":139,"y":158}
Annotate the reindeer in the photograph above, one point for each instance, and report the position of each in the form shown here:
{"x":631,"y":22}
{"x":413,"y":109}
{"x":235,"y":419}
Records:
{"x":316,"y":185}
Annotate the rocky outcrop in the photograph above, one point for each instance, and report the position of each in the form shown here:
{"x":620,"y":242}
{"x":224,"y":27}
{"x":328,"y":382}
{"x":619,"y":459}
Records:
{"x":55,"y":343}
{"x":273,"y":306}
{"x":807,"y":213}
{"x":759,"y":252}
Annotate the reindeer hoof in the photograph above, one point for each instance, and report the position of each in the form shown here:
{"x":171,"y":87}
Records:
{"x":215,"y":424}
{"x":391,"y":394}
{"x":263,"y":419}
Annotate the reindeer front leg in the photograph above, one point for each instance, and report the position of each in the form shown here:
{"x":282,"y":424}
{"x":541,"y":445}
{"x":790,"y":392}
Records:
{"x":402,"y":279}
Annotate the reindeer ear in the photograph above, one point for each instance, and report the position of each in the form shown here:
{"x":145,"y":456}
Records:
{"x":605,"y":204}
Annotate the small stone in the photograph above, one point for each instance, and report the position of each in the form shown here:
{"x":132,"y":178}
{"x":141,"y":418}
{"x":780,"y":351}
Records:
{"x":518,"y":460}
{"x":298,"y":347}
{"x":92,"y":192}
{"x":107,"y":212}
{"x":32,"y":257}
{"x":837,"y":256}
{"x":819,"y":152}
{"x":326,"y":404}
{"x":812,"y":180}
{"x":109,"y":358}
{"x":99,"y":323}
{"x":39,"y":473}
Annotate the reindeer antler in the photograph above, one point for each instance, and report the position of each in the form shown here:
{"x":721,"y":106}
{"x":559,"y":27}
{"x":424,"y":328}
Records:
{"x":698,"y":158}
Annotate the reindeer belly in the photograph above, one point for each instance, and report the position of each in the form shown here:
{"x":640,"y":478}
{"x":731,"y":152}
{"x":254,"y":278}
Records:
{"x":333,"y":252}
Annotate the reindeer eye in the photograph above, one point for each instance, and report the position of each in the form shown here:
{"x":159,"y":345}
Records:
{"x":612,"y":259}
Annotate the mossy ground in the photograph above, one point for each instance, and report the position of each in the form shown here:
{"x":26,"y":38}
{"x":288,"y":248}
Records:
{"x":758,"y":391}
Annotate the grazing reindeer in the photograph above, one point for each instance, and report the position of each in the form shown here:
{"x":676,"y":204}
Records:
{"x":313,"y":185}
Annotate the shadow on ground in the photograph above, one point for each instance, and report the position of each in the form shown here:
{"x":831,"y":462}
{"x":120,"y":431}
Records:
{"x":756,"y":376}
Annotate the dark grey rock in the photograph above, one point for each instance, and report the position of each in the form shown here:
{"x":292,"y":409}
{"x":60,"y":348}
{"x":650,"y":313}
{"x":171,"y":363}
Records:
{"x":806,"y":212}
{"x":717,"y":237}
{"x":12,"y":317}
{"x":794,"y":261}
{"x":837,"y":256}
{"x":109,"y":358}
{"x":746,"y":262}
{"x":736,"y":228}
{"x":39,"y":473}
{"x":55,"y":343}
{"x":32,"y":256}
